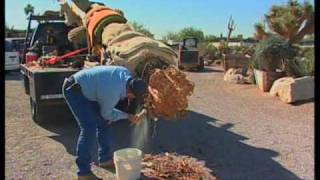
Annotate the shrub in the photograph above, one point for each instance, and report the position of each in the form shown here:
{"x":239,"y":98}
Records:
{"x":271,"y":53}
{"x":302,"y":65}
{"x":212,"y":50}
{"x":207,"y":49}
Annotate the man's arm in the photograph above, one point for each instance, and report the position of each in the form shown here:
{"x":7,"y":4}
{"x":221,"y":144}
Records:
{"x":107,"y":110}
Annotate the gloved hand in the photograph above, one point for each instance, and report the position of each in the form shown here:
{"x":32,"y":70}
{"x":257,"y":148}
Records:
{"x":137,"y":117}
{"x":134,"y":119}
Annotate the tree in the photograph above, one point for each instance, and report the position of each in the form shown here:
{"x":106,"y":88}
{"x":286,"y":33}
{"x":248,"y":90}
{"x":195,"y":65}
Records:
{"x":239,"y":37}
{"x":211,"y":38}
{"x":292,"y":21}
{"x":171,"y":36}
{"x":140,"y":28}
{"x":29,"y":9}
{"x":231,"y":27}
{"x":212,"y":50}
{"x":191,"y":32}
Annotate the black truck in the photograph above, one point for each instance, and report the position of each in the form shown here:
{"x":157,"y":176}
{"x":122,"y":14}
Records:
{"x":189,"y":55}
{"x":44,"y":85}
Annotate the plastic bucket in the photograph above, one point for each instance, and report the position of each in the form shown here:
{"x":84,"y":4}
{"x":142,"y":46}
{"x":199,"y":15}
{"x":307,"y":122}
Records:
{"x":31,"y":56}
{"x":128,"y":163}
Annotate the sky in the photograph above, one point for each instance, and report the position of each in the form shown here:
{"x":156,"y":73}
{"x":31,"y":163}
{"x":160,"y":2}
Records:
{"x":162,"y":16}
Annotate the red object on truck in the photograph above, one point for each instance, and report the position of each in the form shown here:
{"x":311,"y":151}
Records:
{"x":31,"y":56}
{"x":54,"y":60}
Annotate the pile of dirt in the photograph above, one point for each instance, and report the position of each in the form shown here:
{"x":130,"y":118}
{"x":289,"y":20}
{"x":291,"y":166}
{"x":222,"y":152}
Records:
{"x":168,"y":92}
{"x":174,"y":166}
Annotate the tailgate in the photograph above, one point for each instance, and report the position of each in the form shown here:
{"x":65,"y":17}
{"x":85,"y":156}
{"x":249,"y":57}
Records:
{"x":46,"y":83}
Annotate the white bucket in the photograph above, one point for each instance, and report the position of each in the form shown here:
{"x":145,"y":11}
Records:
{"x":128,"y":163}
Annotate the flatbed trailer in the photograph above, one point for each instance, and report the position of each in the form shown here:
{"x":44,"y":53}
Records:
{"x":44,"y":87}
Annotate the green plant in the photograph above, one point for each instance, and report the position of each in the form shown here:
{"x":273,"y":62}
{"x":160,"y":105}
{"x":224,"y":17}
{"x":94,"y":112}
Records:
{"x":292,"y":21}
{"x":238,"y":49}
{"x":271,"y":53}
{"x":212,"y":50}
{"x":253,"y":64}
{"x":171,"y":36}
{"x":302,"y":65}
{"x":191,"y":32}
{"x":202,"y":48}
{"x":210,"y":38}
{"x":29,"y":9}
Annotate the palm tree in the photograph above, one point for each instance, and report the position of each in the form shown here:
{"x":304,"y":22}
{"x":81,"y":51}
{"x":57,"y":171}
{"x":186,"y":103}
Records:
{"x":29,"y":9}
{"x":292,"y":21}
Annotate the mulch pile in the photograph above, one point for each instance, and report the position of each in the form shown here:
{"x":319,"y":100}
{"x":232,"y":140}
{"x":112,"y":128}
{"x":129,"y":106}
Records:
{"x":168,"y":92}
{"x":174,"y":166}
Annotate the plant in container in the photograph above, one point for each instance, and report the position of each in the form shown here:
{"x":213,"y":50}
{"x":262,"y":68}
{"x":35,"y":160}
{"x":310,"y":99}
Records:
{"x":270,"y":56}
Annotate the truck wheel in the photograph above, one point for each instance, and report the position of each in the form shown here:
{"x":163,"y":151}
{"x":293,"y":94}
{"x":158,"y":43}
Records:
{"x":36,"y":112}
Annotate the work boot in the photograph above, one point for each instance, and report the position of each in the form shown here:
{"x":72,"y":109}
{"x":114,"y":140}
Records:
{"x":109,"y":166}
{"x":89,"y":177}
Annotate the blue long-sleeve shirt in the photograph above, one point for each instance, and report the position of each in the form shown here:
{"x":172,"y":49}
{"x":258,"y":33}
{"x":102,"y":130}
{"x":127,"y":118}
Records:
{"x":105,"y":85}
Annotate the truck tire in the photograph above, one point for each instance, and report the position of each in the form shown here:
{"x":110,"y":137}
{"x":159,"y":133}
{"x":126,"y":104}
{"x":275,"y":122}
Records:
{"x":37,"y":112}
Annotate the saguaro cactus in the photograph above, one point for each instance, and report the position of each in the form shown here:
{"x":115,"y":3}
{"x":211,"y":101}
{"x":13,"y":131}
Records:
{"x":231,"y":27}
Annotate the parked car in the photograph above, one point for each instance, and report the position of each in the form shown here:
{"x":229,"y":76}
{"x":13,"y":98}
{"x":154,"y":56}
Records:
{"x":12,"y":60}
{"x":17,"y":44}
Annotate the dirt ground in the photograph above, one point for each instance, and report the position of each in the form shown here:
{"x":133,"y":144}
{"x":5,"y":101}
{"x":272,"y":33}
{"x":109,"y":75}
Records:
{"x":240,"y":132}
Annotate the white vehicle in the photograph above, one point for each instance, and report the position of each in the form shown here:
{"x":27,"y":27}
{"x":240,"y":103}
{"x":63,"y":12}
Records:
{"x":12,"y":60}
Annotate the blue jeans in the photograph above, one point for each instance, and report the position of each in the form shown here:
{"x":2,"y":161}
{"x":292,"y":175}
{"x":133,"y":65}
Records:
{"x":92,"y":125}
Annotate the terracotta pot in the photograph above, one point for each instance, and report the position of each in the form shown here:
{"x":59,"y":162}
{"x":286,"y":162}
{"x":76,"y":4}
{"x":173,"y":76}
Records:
{"x":265,"y":79}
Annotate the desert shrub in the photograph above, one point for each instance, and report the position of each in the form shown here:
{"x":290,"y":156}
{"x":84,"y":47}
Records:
{"x":202,"y":48}
{"x":212,"y":50}
{"x":253,"y":64}
{"x":249,"y":50}
{"x":237,"y":49}
{"x":271,"y":53}
{"x":302,"y":65}
{"x":206,"y":49}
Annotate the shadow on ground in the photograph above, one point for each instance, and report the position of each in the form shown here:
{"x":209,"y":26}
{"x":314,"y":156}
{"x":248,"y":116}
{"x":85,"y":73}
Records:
{"x":298,"y":103}
{"x":206,"y":69}
{"x":223,"y":151}
{"x":13,"y":76}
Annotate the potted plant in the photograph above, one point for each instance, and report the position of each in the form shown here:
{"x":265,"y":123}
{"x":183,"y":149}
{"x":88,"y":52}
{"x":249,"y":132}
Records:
{"x":269,"y":58}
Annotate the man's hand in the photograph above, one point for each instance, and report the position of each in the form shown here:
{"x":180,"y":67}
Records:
{"x":134,"y":119}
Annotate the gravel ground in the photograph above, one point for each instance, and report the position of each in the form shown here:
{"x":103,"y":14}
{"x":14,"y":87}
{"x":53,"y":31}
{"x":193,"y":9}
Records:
{"x":240,"y":132}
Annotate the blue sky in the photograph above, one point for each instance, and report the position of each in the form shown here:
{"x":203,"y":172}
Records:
{"x":161,"y":16}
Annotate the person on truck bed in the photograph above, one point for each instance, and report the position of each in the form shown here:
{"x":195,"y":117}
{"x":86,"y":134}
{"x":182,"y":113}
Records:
{"x":92,"y":95}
